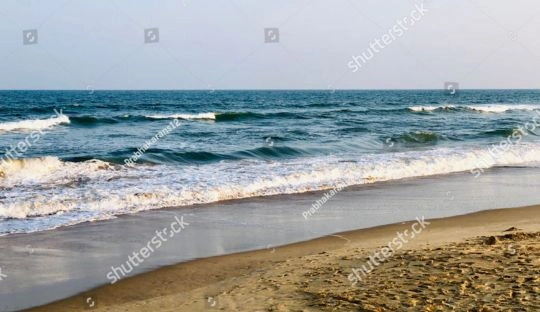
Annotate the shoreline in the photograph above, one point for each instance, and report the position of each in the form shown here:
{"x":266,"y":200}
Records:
{"x":207,"y":283}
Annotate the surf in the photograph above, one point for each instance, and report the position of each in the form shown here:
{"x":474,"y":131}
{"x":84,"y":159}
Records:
{"x":96,"y":189}
{"x":34,"y":124}
{"x":199,"y":116}
{"x":495,"y":108}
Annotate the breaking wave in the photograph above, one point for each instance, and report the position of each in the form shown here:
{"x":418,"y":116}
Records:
{"x":82,"y":191}
{"x":34,"y":124}
{"x":476,"y":108}
{"x":227,"y":116}
{"x":204,"y":116}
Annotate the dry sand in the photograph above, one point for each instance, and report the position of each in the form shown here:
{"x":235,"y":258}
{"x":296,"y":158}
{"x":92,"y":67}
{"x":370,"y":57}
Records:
{"x":486,"y":261}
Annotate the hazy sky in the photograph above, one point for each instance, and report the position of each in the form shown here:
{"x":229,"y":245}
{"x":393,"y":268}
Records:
{"x":206,"y":44}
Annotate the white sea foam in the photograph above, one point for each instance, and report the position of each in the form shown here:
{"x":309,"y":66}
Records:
{"x":207,"y":116}
{"x":503,"y":108}
{"x":35,"y":124}
{"x":495,"y":108}
{"x":429,"y":108}
{"x":67,"y":192}
{"x":23,"y":170}
{"x":47,"y":171}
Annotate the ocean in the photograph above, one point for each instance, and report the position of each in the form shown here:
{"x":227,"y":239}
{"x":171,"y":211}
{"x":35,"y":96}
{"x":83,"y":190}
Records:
{"x":68,"y":157}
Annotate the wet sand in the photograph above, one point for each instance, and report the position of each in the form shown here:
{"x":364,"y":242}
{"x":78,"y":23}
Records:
{"x":485,"y":261}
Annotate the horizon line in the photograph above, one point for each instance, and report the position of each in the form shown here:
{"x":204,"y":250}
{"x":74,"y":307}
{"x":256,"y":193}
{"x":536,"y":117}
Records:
{"x":325,"y":90}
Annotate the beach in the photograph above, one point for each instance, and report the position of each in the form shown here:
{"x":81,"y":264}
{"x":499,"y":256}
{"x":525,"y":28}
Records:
{"x":122,"y":185}
{"x":211,"y":246}
{"x":47,"y":266}
{"x":260,"y":156}
{"x":485,"y":261}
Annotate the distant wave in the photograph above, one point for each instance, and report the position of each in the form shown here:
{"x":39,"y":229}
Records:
{"x":34,"y":124}
{"x":503,"y":132}
{"x":227,"y":116}
{"x":431,"y":108}
{"x":478,"y":108}
{"x":204,"y":116}
{"x":418,"y":137}
{"x":91,"y":120}
{"x":503,"y":108}
{"x":235,"y":116}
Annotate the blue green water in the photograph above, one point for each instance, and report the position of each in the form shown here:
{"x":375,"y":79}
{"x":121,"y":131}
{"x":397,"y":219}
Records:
{"x":237,"y":144}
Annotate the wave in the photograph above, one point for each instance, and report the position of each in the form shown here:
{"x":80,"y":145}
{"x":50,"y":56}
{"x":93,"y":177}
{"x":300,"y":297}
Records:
{"x":418,"y":137}
{"x":227,"y":116}
{"x":91,"y":120}
{"x":55,"y":189}
{"x":431,"y":108}
{"x":503,"y":132}
{"x":34,"y":124}
{"x":155,"y":156}
{"x":26,"y":171}
{"x":204,"y":116}
{"x":235,"y":116}
{"x":503,"y":108}
{"x":497,"y":108}
{"x":30,"y":168}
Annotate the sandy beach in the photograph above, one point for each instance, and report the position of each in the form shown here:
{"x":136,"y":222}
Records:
{"x":485,"y":261}
{"x":269,"y":156}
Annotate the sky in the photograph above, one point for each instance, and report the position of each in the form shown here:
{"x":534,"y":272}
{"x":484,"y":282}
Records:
{"x":221,"y":44}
